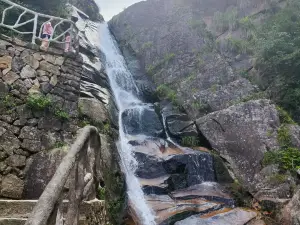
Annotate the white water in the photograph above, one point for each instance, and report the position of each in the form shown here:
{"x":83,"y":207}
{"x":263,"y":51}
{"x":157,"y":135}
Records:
{"x":124,"y":87}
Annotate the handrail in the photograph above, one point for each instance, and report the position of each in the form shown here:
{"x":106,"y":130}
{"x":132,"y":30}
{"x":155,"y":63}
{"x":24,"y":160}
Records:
{"x":72,"y":29}
{"x":83,"y":158}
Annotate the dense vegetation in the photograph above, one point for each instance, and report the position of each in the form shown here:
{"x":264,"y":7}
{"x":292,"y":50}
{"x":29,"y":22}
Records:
{"x":275,"y":44}
{"x":277,"y":49}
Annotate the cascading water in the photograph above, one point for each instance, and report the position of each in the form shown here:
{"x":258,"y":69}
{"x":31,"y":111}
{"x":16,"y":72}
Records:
{"x":166,"y":183}
{"x":125,"y":90}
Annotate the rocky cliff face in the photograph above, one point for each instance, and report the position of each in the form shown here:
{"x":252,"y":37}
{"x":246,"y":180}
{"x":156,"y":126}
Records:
{"x":184,"y":49}
{"x":45,"y":98}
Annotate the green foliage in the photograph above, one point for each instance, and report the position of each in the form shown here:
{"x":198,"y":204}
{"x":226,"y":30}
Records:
{"x":38,"y":102}
{"x":8,"y":102}
{"x":190,"y":141}
{"x":227,"y":20}
{"x":164,"y":91}
{"x":248,"y":27}
{"x":61,"y":114}
{"x":191,"y":77}
{"x":214,"y":88}
{"x":277,"y":179}
{"x":152,"y":68}
{"x":237,"y":45}
{"x":288,"y":159}
{"x":284,"y":137}
{"x":276,"y":45}
{"x":146,"y":45}
{"x":101,"y":193}
{"x":59,"y":144}
{"x":284,"y":116}
{"x":240,"y":194}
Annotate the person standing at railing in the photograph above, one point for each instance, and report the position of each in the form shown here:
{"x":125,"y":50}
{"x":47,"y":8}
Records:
{"x":67,"y":42}
{"x":47,"y":33}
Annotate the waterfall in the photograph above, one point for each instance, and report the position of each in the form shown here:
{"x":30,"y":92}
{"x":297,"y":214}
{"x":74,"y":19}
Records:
{"x":125,"y":92}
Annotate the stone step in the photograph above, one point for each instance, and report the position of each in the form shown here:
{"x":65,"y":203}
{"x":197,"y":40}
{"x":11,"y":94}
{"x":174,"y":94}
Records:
{"x":16,"y":212}
{"x":22,"y":221}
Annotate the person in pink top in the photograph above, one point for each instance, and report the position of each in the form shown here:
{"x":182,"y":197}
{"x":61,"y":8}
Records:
{"x":47,"y":33}
{"x":67,"y":42}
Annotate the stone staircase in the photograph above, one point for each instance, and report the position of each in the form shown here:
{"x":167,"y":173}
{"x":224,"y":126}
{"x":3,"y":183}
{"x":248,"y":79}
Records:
{"x":16,"y":212}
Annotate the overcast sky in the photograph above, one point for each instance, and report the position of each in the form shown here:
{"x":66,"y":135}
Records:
{"x":109,"y":8}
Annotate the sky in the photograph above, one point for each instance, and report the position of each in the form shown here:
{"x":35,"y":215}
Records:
{"x":109,"y":8}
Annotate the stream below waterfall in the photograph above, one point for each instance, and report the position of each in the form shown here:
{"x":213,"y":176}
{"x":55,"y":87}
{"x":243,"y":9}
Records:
{"x":166,"y":183}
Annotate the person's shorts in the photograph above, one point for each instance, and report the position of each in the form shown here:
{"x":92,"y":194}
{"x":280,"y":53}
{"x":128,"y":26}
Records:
{"x":46,"y":36}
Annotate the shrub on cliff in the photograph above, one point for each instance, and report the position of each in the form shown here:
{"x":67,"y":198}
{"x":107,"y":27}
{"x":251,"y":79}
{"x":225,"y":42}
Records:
{"x":277,"y":48}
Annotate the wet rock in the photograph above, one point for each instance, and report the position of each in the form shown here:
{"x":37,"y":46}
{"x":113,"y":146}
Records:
{"x":236,"y":216}
{"x":16,"y":161}
{"x":93,"y":109}
{"x":168,"y":210}
{"x":149,"y":167}
{"x":39,"y":171}
{"x":189,"y":169}
{"x":12,"y":187}
{"x":28,"y":72}
{"x":240,"y":135}
{"x":183,"y":170}
{"x":142,"y":121}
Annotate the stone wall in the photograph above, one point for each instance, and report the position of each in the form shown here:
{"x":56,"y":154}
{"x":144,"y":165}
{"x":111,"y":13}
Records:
{"x":26,"y":130}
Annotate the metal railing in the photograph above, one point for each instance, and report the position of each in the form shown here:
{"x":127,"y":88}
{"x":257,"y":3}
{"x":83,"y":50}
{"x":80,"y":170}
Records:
{"x":81,"y":168}
{"x":57,"y":36}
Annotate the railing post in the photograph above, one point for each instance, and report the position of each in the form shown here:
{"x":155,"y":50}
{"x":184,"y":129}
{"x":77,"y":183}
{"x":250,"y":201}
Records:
{"x":34,"y":28}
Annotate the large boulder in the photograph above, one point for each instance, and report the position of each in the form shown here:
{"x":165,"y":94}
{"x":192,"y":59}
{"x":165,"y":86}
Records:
{"x":242,"y":134}
{"x":93,"y":109}
{"x":236,"y":216}
{"x":142,"y":120}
